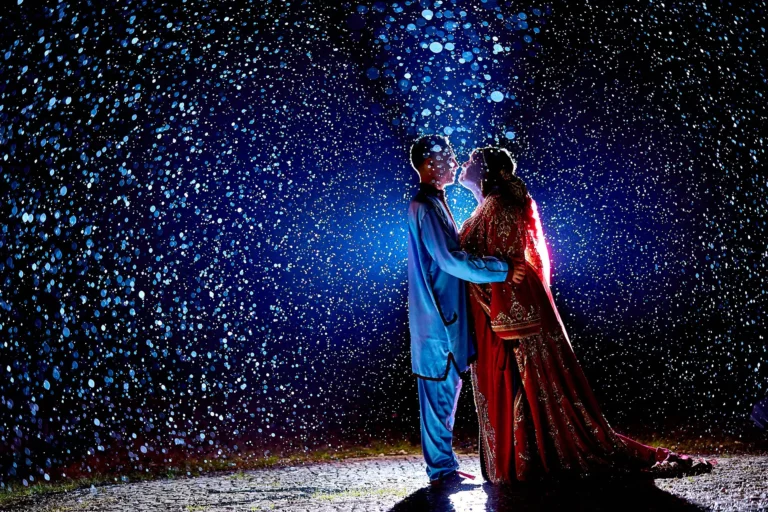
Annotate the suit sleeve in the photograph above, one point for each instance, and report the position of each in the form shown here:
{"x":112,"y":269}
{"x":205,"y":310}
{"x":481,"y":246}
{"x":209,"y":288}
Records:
{"x":445,"y":251}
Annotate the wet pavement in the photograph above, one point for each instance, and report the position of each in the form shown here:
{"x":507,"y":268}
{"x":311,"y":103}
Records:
{"x":400,"y":484}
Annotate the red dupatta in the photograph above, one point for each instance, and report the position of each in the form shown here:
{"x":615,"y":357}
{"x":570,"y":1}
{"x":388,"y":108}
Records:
{"x":512,"y":232}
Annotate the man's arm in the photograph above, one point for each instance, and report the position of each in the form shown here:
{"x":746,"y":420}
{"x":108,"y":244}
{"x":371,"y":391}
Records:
{"x":450,"y":258}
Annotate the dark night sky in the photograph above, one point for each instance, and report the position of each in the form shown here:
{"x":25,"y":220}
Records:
{"x":202,"y":234}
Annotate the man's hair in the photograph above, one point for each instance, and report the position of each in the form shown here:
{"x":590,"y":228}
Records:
{"x":428,"y":146}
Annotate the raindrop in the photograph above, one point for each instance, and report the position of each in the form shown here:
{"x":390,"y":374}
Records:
{"x":436,"y":47}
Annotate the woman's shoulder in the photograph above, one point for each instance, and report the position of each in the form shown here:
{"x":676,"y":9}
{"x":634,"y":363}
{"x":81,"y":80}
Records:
{"x":495,"y":204}
{"x":492,"y":201}
{"x":501,"y":212}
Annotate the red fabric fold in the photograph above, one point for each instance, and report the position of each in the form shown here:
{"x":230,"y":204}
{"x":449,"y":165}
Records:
{"x":538,"y":414}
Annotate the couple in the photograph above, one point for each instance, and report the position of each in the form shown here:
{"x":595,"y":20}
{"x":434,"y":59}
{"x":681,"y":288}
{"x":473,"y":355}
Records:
{"x":480,"y":297}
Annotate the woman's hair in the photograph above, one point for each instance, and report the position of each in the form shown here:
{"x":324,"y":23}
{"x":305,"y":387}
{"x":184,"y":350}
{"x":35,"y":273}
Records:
{"x":499,"y":165}
{"x":500,"y":178}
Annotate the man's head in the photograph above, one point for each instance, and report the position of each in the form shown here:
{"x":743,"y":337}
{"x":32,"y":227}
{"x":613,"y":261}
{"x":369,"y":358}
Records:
{"x":433,"y":158}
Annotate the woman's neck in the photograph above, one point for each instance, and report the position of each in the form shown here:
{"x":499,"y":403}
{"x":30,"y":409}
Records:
{"x":479,"y":197}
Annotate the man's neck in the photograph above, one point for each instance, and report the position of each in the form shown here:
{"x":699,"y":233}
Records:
{"x":438,"y":186}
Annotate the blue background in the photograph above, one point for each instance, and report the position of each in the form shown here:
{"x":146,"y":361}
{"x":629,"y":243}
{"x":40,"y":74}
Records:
{"x":202,"y":237}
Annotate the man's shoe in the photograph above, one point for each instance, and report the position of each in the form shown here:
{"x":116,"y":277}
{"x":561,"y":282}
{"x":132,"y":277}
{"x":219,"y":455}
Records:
{"x":444,"y":480}
{"x":452,"y":478}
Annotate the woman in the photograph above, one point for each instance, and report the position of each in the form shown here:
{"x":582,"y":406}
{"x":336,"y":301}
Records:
{"x":537,"y":413}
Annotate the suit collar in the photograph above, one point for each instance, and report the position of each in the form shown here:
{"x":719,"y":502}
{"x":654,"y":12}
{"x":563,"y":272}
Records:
{"x":431,"y":190}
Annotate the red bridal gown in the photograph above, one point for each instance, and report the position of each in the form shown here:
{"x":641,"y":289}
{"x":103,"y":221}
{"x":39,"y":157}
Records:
{"x":537,"y":412}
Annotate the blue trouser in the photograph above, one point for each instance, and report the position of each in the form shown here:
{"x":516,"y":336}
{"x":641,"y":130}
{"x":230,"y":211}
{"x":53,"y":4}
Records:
{"x":437,"y":407}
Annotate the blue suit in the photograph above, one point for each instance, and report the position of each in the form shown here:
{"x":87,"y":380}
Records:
{"x":437,"y":314}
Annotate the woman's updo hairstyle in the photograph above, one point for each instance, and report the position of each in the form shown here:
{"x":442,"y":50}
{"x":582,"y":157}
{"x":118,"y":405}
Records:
{"x":500,"y":178}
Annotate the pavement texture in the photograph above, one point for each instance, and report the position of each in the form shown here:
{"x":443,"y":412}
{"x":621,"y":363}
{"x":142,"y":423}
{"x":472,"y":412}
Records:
{"x":400,"y":484}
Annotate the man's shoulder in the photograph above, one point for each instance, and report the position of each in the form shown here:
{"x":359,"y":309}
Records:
{"x":420,"y":203}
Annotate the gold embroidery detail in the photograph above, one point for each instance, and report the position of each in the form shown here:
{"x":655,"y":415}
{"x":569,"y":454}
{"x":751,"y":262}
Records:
{"x":487,"y":433}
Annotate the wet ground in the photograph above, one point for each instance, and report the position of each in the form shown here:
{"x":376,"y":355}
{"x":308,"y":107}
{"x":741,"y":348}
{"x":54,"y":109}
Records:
{"x":400,"y":484}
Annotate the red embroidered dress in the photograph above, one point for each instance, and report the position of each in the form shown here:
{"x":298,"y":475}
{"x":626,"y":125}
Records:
{"x":537,"y":412}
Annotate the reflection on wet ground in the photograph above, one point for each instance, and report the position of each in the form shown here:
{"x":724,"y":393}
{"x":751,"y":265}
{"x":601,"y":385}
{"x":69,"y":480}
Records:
{"x":400,"y":484}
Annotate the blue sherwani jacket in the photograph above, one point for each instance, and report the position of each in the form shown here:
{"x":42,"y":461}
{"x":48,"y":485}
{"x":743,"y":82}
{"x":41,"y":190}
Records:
{"x":437,"y":301}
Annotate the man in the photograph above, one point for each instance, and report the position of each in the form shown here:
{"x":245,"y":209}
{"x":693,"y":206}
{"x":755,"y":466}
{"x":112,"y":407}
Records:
{"x":441,"y":343}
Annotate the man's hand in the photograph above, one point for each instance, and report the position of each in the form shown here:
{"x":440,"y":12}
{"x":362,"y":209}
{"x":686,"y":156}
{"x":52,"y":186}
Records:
{"x":518,"y":270}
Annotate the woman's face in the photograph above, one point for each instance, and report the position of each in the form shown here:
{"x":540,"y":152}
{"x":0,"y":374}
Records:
{"x":472,"y":171}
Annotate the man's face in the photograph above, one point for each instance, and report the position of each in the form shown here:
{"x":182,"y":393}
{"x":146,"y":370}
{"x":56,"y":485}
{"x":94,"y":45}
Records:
{"x":444,"y":165}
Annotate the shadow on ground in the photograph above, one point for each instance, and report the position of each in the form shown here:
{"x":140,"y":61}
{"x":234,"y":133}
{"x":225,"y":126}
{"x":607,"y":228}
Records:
{"x":608,"y":495}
